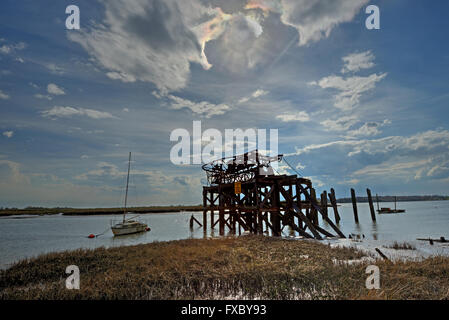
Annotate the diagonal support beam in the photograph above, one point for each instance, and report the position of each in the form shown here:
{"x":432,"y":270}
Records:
{"x":318,"y":208}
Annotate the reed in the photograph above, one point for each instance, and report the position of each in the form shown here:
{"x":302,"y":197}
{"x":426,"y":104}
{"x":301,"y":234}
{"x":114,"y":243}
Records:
{"x":244,"y":267}
{"x":402,"y":246}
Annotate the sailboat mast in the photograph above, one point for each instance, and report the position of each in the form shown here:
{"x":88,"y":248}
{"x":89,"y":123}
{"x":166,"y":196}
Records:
{"x":127,"y":183}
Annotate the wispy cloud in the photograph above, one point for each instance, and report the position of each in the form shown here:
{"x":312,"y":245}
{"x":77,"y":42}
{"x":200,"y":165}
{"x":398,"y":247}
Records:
{"x":256,"y":94}
{"x":300,"y":116}
{"x":341,"y":124}
{"x":8,"y":134}
{"x":11,"y":48}
{"x":358,"y":61}
{"x":314,"y":19}
{"x":67,"y":112}
{"x":55,"y":90}
{"x":43,"y":96}
{"x":3,"y":95}
{"x":369,"y":129}
{"x":203,"y":108}
{"x":351,"y":88}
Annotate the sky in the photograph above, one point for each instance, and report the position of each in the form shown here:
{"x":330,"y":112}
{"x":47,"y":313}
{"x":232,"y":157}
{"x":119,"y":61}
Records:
{"x":354,"y":108}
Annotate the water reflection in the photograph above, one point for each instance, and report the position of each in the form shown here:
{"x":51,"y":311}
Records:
{"x":26,"y":237}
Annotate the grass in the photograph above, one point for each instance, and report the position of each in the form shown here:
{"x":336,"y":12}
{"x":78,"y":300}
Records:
{"x":242,"y":267}
{"x":402,"y":246}
{"x":96,"y":211}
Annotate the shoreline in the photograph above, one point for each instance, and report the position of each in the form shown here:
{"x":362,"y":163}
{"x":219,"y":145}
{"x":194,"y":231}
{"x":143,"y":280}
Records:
{"x":96,"y":211}
{"x":245,"y":267}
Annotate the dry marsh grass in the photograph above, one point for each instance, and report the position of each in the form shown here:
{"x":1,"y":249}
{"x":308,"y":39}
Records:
{"x":401,"y":246}
{"x":245,"y":268}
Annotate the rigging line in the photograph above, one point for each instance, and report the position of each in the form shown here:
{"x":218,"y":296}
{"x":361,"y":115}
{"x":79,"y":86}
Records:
{"x":283,"y":158}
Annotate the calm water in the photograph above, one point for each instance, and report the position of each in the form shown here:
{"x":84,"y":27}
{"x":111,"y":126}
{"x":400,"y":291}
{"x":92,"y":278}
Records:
{"x":30,"y":236}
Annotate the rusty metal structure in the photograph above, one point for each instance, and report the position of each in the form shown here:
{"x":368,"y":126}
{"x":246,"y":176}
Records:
{"x":244,"y":193}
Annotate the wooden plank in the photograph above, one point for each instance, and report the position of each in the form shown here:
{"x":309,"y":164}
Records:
{"x":300,"y":214}
{"x":317,"y":207}
{"x":325,"y":232}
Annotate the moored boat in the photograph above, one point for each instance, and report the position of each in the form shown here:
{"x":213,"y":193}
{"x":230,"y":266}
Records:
{"x":128,"y":226}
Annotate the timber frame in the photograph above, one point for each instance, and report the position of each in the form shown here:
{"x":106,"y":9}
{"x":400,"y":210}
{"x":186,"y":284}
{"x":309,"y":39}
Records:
{"x":266,"y":204}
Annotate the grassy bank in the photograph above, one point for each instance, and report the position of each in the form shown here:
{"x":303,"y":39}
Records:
{"x":97,"y":211}
{"x":244,"y":267}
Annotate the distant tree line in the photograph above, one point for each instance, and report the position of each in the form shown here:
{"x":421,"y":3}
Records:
{"x":398,"y":198}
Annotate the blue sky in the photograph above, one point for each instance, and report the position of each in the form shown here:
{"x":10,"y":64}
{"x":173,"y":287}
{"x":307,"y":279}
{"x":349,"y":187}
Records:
{"x":354,"y":107}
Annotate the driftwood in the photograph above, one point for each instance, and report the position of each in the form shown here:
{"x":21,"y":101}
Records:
{"x":382,"y":255}
{"x":441,"y":240}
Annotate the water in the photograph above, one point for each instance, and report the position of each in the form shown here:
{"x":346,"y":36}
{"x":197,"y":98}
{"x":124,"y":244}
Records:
{"x":24,"y":237}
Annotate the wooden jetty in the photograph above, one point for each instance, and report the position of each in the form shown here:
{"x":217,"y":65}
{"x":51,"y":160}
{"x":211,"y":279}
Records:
{"x":243,"y":193}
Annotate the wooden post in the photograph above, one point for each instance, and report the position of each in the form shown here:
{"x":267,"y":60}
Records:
{"x":333,"y":200}
{"x":324,"y":202}
{"x":221,"y":213}
{"x":205,"y":211}
{"x":212,"y":204}
{"x":313,"y":212}
{"x":371,"y":207}
{"x":354,"y":206}
{"x":275,"y":214}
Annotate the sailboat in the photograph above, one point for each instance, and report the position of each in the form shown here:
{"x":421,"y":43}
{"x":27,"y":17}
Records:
{"x":128,"y":226}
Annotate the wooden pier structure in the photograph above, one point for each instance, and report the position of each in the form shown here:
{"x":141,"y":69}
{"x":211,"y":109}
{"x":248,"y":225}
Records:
{"x":244,"y":193}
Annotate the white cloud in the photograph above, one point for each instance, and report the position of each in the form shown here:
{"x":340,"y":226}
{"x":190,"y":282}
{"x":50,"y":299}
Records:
{"x":7,"y":49}
{"x":341,"y":124}
{"x":358,"y":61}
{"x":314,"y":19}
{"x":390,"y":168}
{"x":351,"y":88}
{"x":125,"y":110}
{"x":8,"y":134}
{"x":203,"y":108}
{"x":300,"y":116}
{"x":103,"y":169}
{"x":55,"y":68}
{"x":422,"y":156}
{"x":256,"y":94}
{"x":420,"y":142}
{"x":55,"y":90}
{"x":368,"y":129}
{"x":3,"y":95}
{"x":67,"y":112}
{"x":43,"y":96}
{"x":259,"y":93}
{"x":151,"y":41}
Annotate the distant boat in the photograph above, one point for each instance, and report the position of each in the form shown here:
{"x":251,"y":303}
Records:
{"x":128,"y":226}
{"x":388,"y":210}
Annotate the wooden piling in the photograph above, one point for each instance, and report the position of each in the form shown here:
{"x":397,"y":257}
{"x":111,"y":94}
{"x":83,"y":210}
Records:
{"x":333,"y":200}
{"x":371,"y":206}
{"x":324,"y":202}
{"x":354,"y":206}
{"x":204,"y":211}
{"x":313,"y":211}
{"x":221,"y":214}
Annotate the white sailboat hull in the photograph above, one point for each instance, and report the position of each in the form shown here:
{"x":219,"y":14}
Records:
{"x":128,"y":228}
